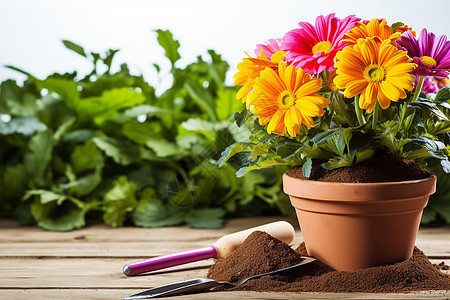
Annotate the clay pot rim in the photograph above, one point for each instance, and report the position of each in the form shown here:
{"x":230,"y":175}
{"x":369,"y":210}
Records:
{"x":357,"y":192}
{"x":387,"y":183}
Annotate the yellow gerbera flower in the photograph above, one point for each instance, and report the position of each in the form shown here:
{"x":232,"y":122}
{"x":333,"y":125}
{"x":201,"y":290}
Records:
{"x":249,"y":70}
{"x":371,"y":29}
{"x":286,"y":99}
{"x":376,"y":70}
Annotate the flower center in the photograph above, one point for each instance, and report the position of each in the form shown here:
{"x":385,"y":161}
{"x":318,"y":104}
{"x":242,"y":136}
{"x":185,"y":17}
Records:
{"x":286,"y":99}
{"x":323,"y":46}
{"x":428,"y":61}
{"x":374,"y":73}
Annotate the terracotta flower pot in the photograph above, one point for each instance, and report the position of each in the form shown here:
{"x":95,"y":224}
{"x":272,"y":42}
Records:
{"x":351,"y":226}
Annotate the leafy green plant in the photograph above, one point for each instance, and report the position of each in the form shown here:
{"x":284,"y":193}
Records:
{"x":106,"y":147}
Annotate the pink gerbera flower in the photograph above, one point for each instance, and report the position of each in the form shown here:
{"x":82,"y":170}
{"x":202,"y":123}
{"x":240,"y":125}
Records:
{"x":270,"y":48}
{"x":431,"y":55}
{"x":314,"y":48}
{"x":432,"y":84}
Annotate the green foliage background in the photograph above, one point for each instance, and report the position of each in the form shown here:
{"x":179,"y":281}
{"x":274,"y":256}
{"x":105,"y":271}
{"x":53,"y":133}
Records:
{"x":107,"y":148}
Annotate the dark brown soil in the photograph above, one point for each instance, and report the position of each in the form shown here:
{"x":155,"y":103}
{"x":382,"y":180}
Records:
{"x":261,"y":253}
{"x":385,"y":168}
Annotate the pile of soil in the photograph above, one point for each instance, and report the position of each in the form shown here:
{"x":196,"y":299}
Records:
{"x":385,"y":168}
{"x":262,"y":253}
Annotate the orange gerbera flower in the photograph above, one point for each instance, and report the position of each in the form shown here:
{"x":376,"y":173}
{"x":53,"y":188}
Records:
{"x":375,"y":69}
{"x":373,"y":28}
{"x":286,"y":99}
{"x":249,"y":70}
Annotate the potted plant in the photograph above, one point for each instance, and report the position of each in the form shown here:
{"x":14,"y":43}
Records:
{"x":360,"y":103}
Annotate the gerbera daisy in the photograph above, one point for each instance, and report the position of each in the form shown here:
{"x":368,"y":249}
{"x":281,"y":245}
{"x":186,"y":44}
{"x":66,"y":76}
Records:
{"x":287,"y":99}
{"x":376,"y":70}
{"x":314,"y":48}
{"x":373,"y":28}
{"x":432,"y":84}
{"x":431,"y":54}
{"x":249,"y":70}
{"x":269,"y":48}
{"x":404,"y":28}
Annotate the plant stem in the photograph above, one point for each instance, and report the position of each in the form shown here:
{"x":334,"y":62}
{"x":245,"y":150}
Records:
{"x":418,"y":88}
{"x":340,"y":107}
{"x":375,"y":115}
{"x":359,"y":113}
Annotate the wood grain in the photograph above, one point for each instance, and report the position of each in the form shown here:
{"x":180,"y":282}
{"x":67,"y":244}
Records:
{"x":87,"y":263}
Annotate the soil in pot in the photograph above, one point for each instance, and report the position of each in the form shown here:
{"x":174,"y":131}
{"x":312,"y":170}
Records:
{"x":261,"y":253}
{"x":385,"y":168}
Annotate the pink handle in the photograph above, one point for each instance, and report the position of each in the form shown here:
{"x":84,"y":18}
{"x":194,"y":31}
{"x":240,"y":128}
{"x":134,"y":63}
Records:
{"x":169,"y":260}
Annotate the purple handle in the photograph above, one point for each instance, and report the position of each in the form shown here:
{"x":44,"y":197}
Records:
{"x":169,"y":260}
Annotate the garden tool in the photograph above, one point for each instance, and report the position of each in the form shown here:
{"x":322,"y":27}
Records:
{"x":223,"y":247}
{"x":203,"y":284}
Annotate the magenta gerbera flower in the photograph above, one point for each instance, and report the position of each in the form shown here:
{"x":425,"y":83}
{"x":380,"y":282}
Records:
{"x":431,"y":55}
{"x":432,"y":84}
{"x":270,"y":48}
{"x":314,"y":48}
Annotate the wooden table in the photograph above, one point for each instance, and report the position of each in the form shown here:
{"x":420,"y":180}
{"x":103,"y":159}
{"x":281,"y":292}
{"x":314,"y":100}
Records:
{"x":87,"y":263}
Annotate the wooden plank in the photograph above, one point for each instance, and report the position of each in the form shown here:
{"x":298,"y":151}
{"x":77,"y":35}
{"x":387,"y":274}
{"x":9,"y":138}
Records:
{"x":146,"y":249}
{"x":104,"y":233}
{"x":93,"y":273}
{"x":89,"y":273}
{"x":101,"y":294}
{"x":438,"y":261}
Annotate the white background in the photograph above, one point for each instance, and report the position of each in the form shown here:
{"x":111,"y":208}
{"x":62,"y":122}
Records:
{"x":31,"y":31}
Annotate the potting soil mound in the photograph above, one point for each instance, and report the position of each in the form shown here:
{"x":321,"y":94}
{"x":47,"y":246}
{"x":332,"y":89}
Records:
{"x":385,"y":168}
{"x":262,"y":253}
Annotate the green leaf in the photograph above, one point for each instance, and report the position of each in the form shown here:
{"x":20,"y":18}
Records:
{"x":39,"y":154}
{"x":145,"y":109}
{"x":166,"y":40}
{"x":322,"y":136}
{"x":430,"y":106}
{"x":141,"y":132}
{"x":206,"y":218}
{"x":443,"y":95}
{"x":120,"y":152}
{"x":66,"y":89}
{"x":164,"y":148}
{"x":109,"y":57}
{"x":344,"y":161}
{"x":336,"y":144}
{"x":150,"y":212}
{"x":118,"y":201}
{"x":86,"y":157}
{"x":364,"y":155}
{"x":207,"y":128}
{"x":108,"y":104}
{"x":203,"y":99}
{"x":17,"y":101}
{"x":288,"y":149}
{"x":226,"y":103}
{"x":20,"y":71}
{"x":307,"y":167}
{"x":435,"y":148}
{"x":232,"y":150}
{"x":268,"y":162}
{"x":14,"y":182}
{"x":74,"y":219}
{"x":46,"y":196}
{"x":26,"y":126}
{"x":74,"y":47}
{"x":241,"y":118}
